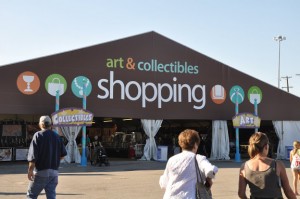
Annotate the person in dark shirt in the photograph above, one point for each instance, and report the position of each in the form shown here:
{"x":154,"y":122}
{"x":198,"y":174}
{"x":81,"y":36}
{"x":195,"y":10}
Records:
{"x":265,"y":177}
{"x":45,"y":152}
{"x":95,"y":146}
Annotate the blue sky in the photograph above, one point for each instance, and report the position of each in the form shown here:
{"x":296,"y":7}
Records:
{"x":238,"y":33}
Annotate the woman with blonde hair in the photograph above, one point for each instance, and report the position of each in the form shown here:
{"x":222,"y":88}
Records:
{"x":180,"y":177}
{"x":295,"y":164}
{"x":264,"y":176}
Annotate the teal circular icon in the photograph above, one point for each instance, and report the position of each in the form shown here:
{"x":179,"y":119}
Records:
{"x":237,"y":94}
{"x":56,"y":83}
{"x":254,"y":95}
{"x":78,"y":84}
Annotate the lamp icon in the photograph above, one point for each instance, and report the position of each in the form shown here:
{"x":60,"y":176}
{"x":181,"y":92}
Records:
{"x":28,"y":79}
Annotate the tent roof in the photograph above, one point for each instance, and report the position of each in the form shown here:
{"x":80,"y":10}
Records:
{"x":144,"y":76}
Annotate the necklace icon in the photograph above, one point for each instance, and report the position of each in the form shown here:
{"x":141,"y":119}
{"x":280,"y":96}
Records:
{"x":81,"y":87}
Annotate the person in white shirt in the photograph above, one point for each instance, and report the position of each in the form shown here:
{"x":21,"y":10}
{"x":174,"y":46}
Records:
{"x":295,"y":164}
{"x":180,"y":177}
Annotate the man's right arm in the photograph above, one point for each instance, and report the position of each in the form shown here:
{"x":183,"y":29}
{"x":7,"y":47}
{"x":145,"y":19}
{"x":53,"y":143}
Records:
{"x":30,"y":174}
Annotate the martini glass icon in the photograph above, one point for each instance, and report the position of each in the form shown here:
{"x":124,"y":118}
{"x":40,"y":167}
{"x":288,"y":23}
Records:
{"x":28,"y":79}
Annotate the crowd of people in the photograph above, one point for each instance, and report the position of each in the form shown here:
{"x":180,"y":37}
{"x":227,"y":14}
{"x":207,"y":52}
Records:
{"x":265,"y":177}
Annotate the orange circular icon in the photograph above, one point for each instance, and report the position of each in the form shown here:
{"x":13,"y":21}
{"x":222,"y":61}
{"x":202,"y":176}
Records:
{"x":28,"y":83}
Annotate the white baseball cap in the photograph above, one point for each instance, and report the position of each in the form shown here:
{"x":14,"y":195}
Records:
{"x":45,"y":119}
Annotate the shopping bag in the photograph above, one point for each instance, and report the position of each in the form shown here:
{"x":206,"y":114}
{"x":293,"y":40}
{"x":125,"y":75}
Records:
{"x":55,"y":85}
{"x":255,"y":95}
{"x":202,"y":192}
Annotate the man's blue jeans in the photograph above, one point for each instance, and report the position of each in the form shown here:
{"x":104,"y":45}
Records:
{"x":48,"y":183}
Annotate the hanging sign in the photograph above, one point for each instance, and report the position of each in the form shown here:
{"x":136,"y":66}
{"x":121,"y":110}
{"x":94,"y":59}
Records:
{"x":246,"y":120}
{"x":72,"y":117}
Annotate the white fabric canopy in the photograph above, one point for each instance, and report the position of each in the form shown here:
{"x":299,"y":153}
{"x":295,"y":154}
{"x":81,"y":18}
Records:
{"x":287,"y":132}
{"x":71,"y":132}
{"x":151,"y":128}
{"x":220,"y":141}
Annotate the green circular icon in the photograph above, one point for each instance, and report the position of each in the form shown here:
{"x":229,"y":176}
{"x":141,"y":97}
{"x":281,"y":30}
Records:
{"x":237,"y":94}
{"x":54,"y":83}
{"x":254,"y":95}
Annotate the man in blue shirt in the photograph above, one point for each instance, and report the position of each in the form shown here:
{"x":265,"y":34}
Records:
{"x":45,"y":152}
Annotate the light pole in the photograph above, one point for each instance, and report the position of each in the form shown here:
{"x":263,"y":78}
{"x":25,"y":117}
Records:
{"x":279,"y":38}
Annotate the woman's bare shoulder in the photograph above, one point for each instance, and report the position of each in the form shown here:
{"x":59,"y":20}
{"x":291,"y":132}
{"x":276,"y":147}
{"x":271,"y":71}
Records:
{"x":243,"y":165}
{"x":279,"y":165}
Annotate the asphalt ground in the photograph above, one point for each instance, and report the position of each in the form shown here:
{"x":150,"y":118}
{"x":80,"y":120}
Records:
{"x":123,"y":179}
